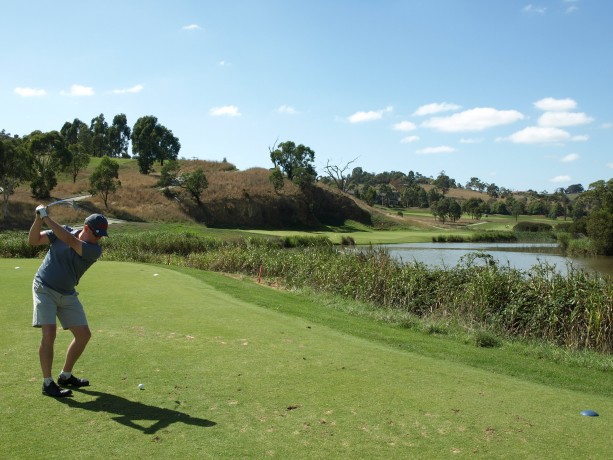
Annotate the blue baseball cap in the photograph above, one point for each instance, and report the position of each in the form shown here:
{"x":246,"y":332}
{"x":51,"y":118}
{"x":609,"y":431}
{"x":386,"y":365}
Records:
{"x":98,"y":224}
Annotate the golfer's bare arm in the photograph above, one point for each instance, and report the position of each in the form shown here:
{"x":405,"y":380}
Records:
{"x":38,"y":238}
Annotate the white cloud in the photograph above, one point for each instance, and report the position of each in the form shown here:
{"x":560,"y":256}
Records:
{"x":572,"y":7}
{"x":534,"y":9}
{"x":539,"y":135}
{"x":192,"y":27}
{"x":555,"y":105}
{"x":409,"y":139}
{"x":371,"y":115}
{"x":570,"y":157}
{"x":476,"y":119}
{"x":431,"y":109}
{"x":287,"y":109}
{"x":560,"y":119}
{"x":610,"y":165}
{"x":78,"y":90}
{"x":470,"y":141}
{"x":580,"y":138}
{"x":227,"y":111}
{"x":560,"y":179}
{"x":405,"y":126}
{"x":606,"y":125}
{"x":133,"y":89}
{"x":435,"y":150}
{"x":30,"y":92}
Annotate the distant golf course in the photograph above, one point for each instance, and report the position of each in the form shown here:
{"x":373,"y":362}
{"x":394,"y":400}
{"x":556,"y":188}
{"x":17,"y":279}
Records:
{"x":233,"y":369}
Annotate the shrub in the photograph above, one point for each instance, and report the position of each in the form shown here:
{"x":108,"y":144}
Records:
{"x":486,"y":339}
{"x":532,"y":227}
{"x":493,"y":237}
{"x":347,"y":241}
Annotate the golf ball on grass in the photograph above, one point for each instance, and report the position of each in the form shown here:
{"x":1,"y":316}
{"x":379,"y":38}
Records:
{"x":141,"y":386}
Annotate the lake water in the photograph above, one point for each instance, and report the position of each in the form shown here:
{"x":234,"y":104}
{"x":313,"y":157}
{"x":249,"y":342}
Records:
{"x":522,"y":256}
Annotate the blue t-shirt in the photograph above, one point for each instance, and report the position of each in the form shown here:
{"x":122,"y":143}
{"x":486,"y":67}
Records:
{"x":62,"y":267}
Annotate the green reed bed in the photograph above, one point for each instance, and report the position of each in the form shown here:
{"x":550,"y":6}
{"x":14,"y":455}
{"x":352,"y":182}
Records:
{"x":574,"y":310}
{"x":15,"y":244}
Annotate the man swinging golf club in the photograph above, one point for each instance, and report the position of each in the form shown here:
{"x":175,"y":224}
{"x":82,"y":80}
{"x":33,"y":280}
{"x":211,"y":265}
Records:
{"x":71,"y":253}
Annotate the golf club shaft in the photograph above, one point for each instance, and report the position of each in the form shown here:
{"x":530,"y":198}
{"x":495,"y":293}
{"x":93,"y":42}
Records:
{"x":69,"y":200}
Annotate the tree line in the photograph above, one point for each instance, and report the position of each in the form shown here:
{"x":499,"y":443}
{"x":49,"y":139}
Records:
{"x":39,"y":157}
{"x":591,"y":210}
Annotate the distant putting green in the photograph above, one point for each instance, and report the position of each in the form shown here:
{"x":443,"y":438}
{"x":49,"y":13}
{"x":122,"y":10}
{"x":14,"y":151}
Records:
{"x":225,"y":377}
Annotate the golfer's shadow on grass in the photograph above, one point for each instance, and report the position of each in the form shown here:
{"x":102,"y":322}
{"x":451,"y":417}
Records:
{"x":128,"y":411}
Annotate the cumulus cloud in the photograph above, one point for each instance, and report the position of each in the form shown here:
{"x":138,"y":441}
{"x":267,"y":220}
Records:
{"x":78,"y":90}
{"x":30,"y":92}
{"x":539,"y":135}
{"x":225,"y":111}
{"x":560,"y":119}
{"x":287,"y":110}
{"x":560,"y":179}
{"x":192,"y":27}
{"x":534,"y":9}
{"x":435,"y":150}
{"x":133,"y":89}
{"x":570,"y":157}
{"x":606,"y":125}
{"x":371,"y":115}
{"x":610,"y":165}
{"x":436,"y":107}
{"x":409,"y":139}
{"x":551,"y":104}
{"x":572,"y":6}
{"x":476,"y":119}
{"x":580,"y":138}
{"x":405,"y":126}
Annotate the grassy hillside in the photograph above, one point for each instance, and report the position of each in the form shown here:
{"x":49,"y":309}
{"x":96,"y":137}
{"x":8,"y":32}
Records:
{"x":233,"y":199}
{"x":242,"y":199}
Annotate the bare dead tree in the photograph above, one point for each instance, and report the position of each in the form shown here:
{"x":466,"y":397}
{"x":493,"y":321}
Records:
{"x":338,"y":176}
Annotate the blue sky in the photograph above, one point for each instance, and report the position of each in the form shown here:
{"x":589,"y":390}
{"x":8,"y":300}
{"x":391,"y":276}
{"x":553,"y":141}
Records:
{"x":517,"y":93}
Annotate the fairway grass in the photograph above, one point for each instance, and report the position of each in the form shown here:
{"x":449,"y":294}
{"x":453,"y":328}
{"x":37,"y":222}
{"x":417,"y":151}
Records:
{"x":232,"y":369}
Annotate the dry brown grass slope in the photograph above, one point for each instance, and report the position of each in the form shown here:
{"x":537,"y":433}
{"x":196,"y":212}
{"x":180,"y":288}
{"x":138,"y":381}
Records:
{"x":240,"y":199}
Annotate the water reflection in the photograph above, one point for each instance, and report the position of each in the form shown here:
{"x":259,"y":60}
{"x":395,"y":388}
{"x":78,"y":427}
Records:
{"x":522,"y":256}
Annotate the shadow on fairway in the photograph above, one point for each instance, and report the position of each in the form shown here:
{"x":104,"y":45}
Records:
{"x":129,"y":411}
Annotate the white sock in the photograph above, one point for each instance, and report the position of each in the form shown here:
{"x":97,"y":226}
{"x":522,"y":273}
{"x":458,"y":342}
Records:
{"x":47,"y":380}
{"x":65,"y":375}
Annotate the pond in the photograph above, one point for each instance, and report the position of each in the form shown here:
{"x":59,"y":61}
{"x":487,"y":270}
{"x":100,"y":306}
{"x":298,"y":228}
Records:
{"x":522,"y":256}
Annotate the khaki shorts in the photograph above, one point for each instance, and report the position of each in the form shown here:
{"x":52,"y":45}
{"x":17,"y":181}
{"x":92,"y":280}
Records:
{"x":49,"y":303}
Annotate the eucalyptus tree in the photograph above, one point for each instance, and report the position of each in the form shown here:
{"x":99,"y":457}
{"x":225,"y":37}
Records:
{"x":105,"y":179}
{"x":443,"y":183}
{"x":100,"y":137}
{"x":49,"y":156}
{"x":14,"y":167}
{"x":78,"y":139}
{"x":119,"y":135}
{"x":152,"y":142}
{"x":296,"y":161}
{"x":195,"y":183}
